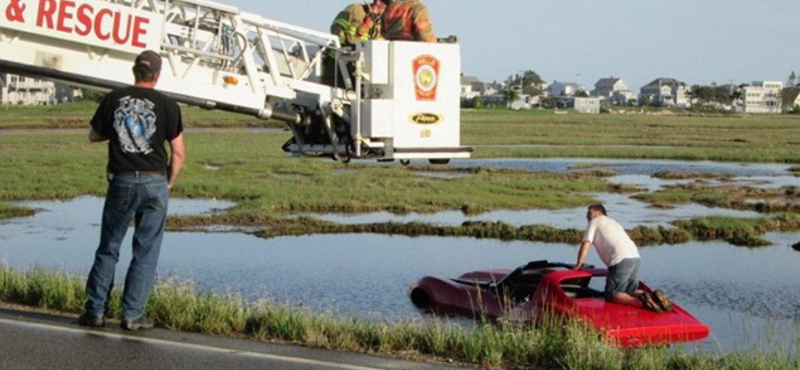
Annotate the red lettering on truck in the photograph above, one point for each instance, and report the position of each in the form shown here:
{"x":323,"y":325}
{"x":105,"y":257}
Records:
{"x":84,"y":26}
{"x":75,"y":17}
{"x":65,"y":14}
{"x":139,"y":31}
{"x":46,"y":9}
{"x":98,"y":24}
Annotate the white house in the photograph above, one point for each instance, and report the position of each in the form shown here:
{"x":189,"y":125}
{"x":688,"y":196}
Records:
{"x":558,"y":88}
{"x":21,"y":90}
{"x":762,"y":97}
{"x":467,"y":90}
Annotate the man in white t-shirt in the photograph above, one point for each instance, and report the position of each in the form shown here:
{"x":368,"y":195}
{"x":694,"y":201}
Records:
{"x":620,"y":254}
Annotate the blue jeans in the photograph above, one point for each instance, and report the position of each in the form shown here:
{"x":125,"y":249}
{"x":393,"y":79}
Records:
{"x":142,"y":197}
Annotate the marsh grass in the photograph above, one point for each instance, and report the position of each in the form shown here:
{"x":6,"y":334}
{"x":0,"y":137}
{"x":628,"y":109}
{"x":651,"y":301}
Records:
{"x":745,"y":138}
{"x":737,"y":231}
{"x":77,"y":116}
{"x":11,"y":211}
{"x":762,"y":200}
{"x":59,"y":164}
{"x":554,"y":344}
{"x":247,"y":167}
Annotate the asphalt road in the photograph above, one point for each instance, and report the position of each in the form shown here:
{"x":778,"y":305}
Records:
{"x":36,"y":341}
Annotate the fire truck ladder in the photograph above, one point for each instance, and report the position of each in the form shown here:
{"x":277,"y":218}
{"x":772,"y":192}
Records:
{"x":215,"y":57}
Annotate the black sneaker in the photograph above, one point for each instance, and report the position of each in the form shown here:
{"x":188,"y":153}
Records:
{"x":91,"y":321}
{"x":141,"y":323}
{"x":662,"y":300}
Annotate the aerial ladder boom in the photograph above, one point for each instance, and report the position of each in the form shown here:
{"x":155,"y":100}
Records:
{"x":401,"y":102}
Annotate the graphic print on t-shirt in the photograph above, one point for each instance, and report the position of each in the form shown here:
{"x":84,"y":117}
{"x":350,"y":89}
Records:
{"x":135,"y":123}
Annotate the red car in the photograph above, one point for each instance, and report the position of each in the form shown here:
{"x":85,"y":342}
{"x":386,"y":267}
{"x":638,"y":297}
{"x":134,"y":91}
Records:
{"x":528,"y":292}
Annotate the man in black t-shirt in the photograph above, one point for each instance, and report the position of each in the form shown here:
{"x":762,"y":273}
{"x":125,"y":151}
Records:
{"x":136,"y":121}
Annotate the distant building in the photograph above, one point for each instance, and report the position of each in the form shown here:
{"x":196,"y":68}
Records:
{"x":525,"y":101}
{"x":666,"y":92}
{"x":467,"y":91}
{"x":67,"y":94}
{"x":606,"y":87}
{"x":472,"y":87}
{"x":558,"y":88}
{"x":583,"y":105}
{"x":762,"y":97}
{"x":21,"y":90}
{"x":614,"y":91}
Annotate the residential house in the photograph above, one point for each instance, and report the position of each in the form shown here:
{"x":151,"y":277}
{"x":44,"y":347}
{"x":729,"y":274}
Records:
{"x":558,"y":88}
{"x":467,"y":91}
{"x":666,"y":92}
{"x":21,"y":90}
{"x":486,"y":88}
{"x":605,"y":87}
{"x":762,"y":97}
{"x":613,"y":90}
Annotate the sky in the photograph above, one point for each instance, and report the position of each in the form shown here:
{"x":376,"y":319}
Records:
{"x":696,"y":41}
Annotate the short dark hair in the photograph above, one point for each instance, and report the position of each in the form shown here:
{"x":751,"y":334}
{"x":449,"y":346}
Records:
{"x":598,"y":207}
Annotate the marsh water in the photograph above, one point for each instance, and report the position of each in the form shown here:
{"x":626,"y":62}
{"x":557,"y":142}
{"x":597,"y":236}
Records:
{"x":747,"y":296}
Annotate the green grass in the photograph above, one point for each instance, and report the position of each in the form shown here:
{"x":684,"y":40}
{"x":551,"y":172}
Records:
{"x":764,"y":200}
{"x":177,"y":306}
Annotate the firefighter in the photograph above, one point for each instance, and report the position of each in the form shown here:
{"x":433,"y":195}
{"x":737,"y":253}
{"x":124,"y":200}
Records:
{"x":407,"y":20}
{"x":357,"y":22}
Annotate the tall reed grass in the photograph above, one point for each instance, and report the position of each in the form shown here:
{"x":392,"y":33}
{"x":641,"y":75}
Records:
{"x":177,"y":306}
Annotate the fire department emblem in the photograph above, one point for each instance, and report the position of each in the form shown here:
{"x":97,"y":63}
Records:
{"x":426,"y":77}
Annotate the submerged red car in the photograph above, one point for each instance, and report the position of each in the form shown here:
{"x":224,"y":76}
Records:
{"x":528,"y":292}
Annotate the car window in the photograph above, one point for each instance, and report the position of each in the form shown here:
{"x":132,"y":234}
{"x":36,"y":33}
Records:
{"x":585,"y":287}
